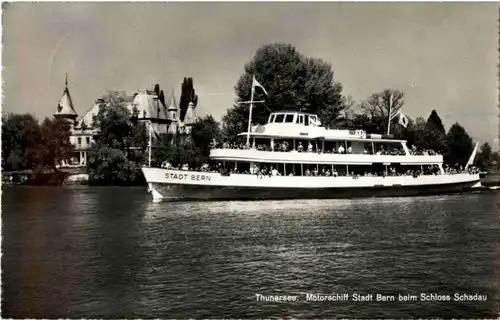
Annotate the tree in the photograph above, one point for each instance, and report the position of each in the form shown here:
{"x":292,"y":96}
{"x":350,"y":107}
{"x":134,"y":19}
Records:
{"x":159,"y":93}
{"x":121,"y":143}
{"x":110,"y":166}
{"x":495,"y":163}
{"x":484,"y":157}
{"x":163,"y":147}
{"x":188,"y":95}
{"x":202,"y":134}
{"x":418,"y":133}
{"x":28,"y":145}
{"x":234,"y":122}
{"x":193,"y":151}
{"x":114,"y":121}
{"x":55,"y":143}
{"x":458,"y":146}
{"x":21,"y":139}
{"x":377,"y":108}
{"x":435,"y":134}
{"x":292,"y":81}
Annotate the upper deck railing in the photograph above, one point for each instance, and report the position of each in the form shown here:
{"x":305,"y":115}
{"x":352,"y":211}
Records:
{"x":253,"y":155}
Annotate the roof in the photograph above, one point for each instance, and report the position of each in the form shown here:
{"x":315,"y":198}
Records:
{"x":172,"y":103}
{"x":65,"y":105}
{"x":189,"y":118}
{"x":88,"y":117}
{"x":148,"y":105}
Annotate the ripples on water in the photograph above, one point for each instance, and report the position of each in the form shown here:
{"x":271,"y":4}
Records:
{"x":111,"y":252}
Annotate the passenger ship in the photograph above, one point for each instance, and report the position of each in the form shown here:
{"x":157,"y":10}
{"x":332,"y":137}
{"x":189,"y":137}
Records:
{"x":294,"y":156}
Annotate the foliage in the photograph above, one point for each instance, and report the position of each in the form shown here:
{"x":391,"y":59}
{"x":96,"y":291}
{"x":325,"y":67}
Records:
{"x":292,"y":81}
{"x":435,"y":134}
{"x":120,"y":145}
{"x":234,"y":122}
{"x":192,"y":150}
{"x":110,"y":166}
{"x":202,"y":134}
{"x":114,"y":124}
{"x":20,"y":141}
{"x":416,"y":133}
{"x":27,"y":145}
{"x":118,"y":126}
{"x":188,"y":95}
{"x":373,"y":113}
{"x":458,"y":146}
{"x":159,"y":93}
{"x":163,"y":146}
{"x":484,"y":157}
{"x":56,"y":143}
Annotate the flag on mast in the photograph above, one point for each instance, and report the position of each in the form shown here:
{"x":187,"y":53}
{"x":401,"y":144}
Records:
{"x":256,"y":83}
{"x":403,"y":120}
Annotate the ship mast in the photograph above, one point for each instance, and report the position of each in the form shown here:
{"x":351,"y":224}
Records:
{"x":390,"y":118}
{"x":251,"y":102}
{"x":149,"y":144}
{"x":250,"y":115}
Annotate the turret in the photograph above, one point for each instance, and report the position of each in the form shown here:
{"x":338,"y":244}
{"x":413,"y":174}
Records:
{"x":172,"y":114}
{"x":189,"y":118}
{"x":65,"y":109}
{"x":172,"y":109}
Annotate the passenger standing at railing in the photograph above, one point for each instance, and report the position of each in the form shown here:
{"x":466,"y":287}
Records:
{"x":285,"y":146}
{"x":275,"y":172}
{"x":341,"y":149}
{"x":300,"y":148}
{"x":213,"y":144}
{"x":310,"y":147}
{"x":349,"y":150}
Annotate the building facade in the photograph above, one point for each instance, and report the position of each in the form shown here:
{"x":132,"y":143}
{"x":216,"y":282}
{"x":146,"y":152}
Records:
{"x":145,"y":103}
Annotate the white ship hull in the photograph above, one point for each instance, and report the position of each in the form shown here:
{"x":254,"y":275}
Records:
{"x":176,"y":184}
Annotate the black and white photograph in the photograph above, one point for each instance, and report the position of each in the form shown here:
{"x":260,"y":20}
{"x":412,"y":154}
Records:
{"x":250,"y":160}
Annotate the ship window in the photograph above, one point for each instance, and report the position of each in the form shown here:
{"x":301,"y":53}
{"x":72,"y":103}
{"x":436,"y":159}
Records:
{"x":307,"y":120}
{"x":289,"y":118}
{"x":300,"y":119}
{"x":272,"y":118}
{"x":314,"y":119}
{"x":279,"y":118}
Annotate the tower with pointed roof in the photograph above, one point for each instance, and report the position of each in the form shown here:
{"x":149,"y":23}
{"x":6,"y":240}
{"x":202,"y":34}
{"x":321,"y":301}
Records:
{"x":172,"y":115}
{"x":189,"y":118}
{"x":65,"y":108}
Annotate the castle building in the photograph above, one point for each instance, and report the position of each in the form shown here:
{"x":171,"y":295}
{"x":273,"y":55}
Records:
{"x":145,"y":103}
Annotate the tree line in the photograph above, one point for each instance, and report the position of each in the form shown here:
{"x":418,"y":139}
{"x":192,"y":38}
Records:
{"x":292,"y":82}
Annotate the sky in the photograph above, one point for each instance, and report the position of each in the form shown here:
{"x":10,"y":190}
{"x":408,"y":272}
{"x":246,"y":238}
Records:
{"x":442,"y":56}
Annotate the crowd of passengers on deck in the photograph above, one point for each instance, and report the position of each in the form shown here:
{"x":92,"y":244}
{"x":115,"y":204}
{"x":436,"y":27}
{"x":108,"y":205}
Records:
{"x":285,"y":147}
{"x":326,"y":171}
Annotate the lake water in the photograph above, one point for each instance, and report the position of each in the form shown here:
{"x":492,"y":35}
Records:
{"x":111,"y":252}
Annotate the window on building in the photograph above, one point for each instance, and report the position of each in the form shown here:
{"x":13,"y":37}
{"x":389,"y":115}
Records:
{"x":88,"y":140}
{"x":79,"y":140}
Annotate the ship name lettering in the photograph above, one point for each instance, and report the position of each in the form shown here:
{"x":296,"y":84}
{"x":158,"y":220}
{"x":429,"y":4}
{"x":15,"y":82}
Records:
{"x":200,"y":177}
{"x":176,"y":176}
